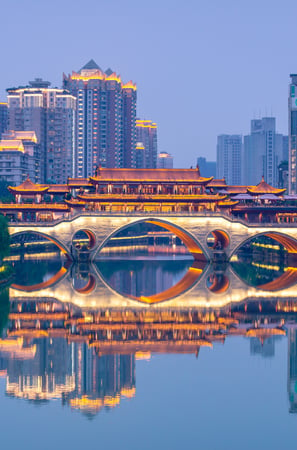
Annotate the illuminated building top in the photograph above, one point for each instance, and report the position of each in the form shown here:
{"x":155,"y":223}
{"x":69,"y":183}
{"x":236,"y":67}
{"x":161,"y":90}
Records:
{"x":91,"y":71}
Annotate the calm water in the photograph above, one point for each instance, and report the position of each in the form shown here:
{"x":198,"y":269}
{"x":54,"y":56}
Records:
{"x":78,"y":374}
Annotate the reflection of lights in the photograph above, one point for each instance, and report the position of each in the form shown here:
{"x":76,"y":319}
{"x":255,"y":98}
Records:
{"x":35,"y":389}
{"x":139,"y":356}
{"x":274,"y":247}
{"x":267,"y":266}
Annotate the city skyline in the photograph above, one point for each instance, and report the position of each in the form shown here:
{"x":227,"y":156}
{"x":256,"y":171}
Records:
{"x":194,"y":49}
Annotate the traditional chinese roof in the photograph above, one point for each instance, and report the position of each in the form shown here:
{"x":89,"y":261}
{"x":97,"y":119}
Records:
{"x":75,"y":203}
{"x":227,"y":203}
{"x":58,"y":189}
{"x":157,"y":198}
{"x":149,"y":176}
{"x":50,"y":207}
{"x":233,"y":190}
{"x":28,"y":187}
{"x":79,"y":182}
{"x":217,"y":182}
{"x":264,"y":188}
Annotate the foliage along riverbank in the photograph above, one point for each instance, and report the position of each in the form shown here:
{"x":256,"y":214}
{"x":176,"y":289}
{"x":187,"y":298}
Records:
{"x":6,"y":271}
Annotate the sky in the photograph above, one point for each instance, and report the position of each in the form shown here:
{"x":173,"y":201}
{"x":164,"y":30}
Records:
{"x":202,"y":68}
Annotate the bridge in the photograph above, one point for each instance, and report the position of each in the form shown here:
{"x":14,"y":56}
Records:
{"x":228,"y":234}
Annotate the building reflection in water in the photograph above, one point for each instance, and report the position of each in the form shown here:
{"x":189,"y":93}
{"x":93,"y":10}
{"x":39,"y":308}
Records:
{"x":292,"y":369}
{"x":85,"y":357}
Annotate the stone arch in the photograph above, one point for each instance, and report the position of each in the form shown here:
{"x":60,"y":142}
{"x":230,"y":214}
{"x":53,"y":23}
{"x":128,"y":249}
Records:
{"x":288,"y":242}
{"x":45,"y":284}
{"x":220,"y":237}
{"x":90,"y":234}
{"x":194,"y":247}
{"x":46,"y":236}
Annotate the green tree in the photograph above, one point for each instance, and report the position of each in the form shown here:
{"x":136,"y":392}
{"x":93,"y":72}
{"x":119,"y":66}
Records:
{"x":4,"y":239}
{"x":5,"y":195}
{"x":4,"y":308}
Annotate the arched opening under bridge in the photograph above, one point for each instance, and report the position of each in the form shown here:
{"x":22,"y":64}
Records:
{"x":19,"y":242}
{"x":84,"y":240}
{"x":218,"y":240}
{"x":267,"y":261}
{"x":189,"y":241}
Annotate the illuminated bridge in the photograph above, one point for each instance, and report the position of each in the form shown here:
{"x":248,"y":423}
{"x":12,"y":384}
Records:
{"x":228,"y":234}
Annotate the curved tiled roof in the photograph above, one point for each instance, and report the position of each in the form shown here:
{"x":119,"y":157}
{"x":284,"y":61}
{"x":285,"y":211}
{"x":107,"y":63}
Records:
{"x":150,"y":175}
{"x":264,"y":188}
{"x":28,"y":187}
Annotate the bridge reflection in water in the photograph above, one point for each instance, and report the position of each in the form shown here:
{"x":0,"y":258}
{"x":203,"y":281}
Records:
{"x":73,"y":337}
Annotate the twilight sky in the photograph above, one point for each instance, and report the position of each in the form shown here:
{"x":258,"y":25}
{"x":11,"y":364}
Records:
{"x":202,"y":68}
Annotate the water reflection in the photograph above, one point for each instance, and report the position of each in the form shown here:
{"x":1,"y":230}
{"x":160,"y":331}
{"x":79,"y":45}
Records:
{"x":84,"y":356}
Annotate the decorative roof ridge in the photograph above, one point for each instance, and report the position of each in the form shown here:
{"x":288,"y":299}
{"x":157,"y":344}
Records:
{"x":265,"y":188}
{"x":29,"y":186}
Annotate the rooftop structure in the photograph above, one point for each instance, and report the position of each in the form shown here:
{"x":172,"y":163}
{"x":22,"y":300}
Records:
{"x":105,"y":119}
{"x":164,"y":161}
{"x":19,"y":156}
{"x":146,"y":132}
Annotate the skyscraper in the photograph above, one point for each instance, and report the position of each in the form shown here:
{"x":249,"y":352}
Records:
{"x":207,"y":168}
{"x":229,"y":158}
{"x":146,"y":132}
{"x":263,"y":151}
{"x":3,"y":117}
{"x":19,"y":157}
{"x":50,"y":112}
{"x":140,"y":155}
{"x":292,"y":103}
{"x":105,"y":119}
{"x":164,"y":161}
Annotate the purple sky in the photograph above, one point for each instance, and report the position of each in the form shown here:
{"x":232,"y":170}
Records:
{"x":202,"y":67}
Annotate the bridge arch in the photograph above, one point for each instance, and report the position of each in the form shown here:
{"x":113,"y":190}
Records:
{"x":46,"y":236}
{"x":221,"y":239}
{"x":288,"y":242}
{"x":91,"y":236}
{"x":192,"y":244}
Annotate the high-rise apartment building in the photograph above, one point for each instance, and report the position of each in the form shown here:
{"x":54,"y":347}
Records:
{"x":264,"y":149}
{"x":146,"y":132}
{"x":50,"y":112}
{"x":3,"y":117}
{"x":207,"y":168}
{"x":19,"y":157}
{"x":164,"y":161}
{"x":292,"y":103}
{"x":140,"y":155}
{"x":229,"y":158}
{"x":105,"y":119}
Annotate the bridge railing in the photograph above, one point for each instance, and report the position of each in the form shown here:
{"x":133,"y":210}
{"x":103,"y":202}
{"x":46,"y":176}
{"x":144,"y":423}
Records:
{"x":206,"y":214}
